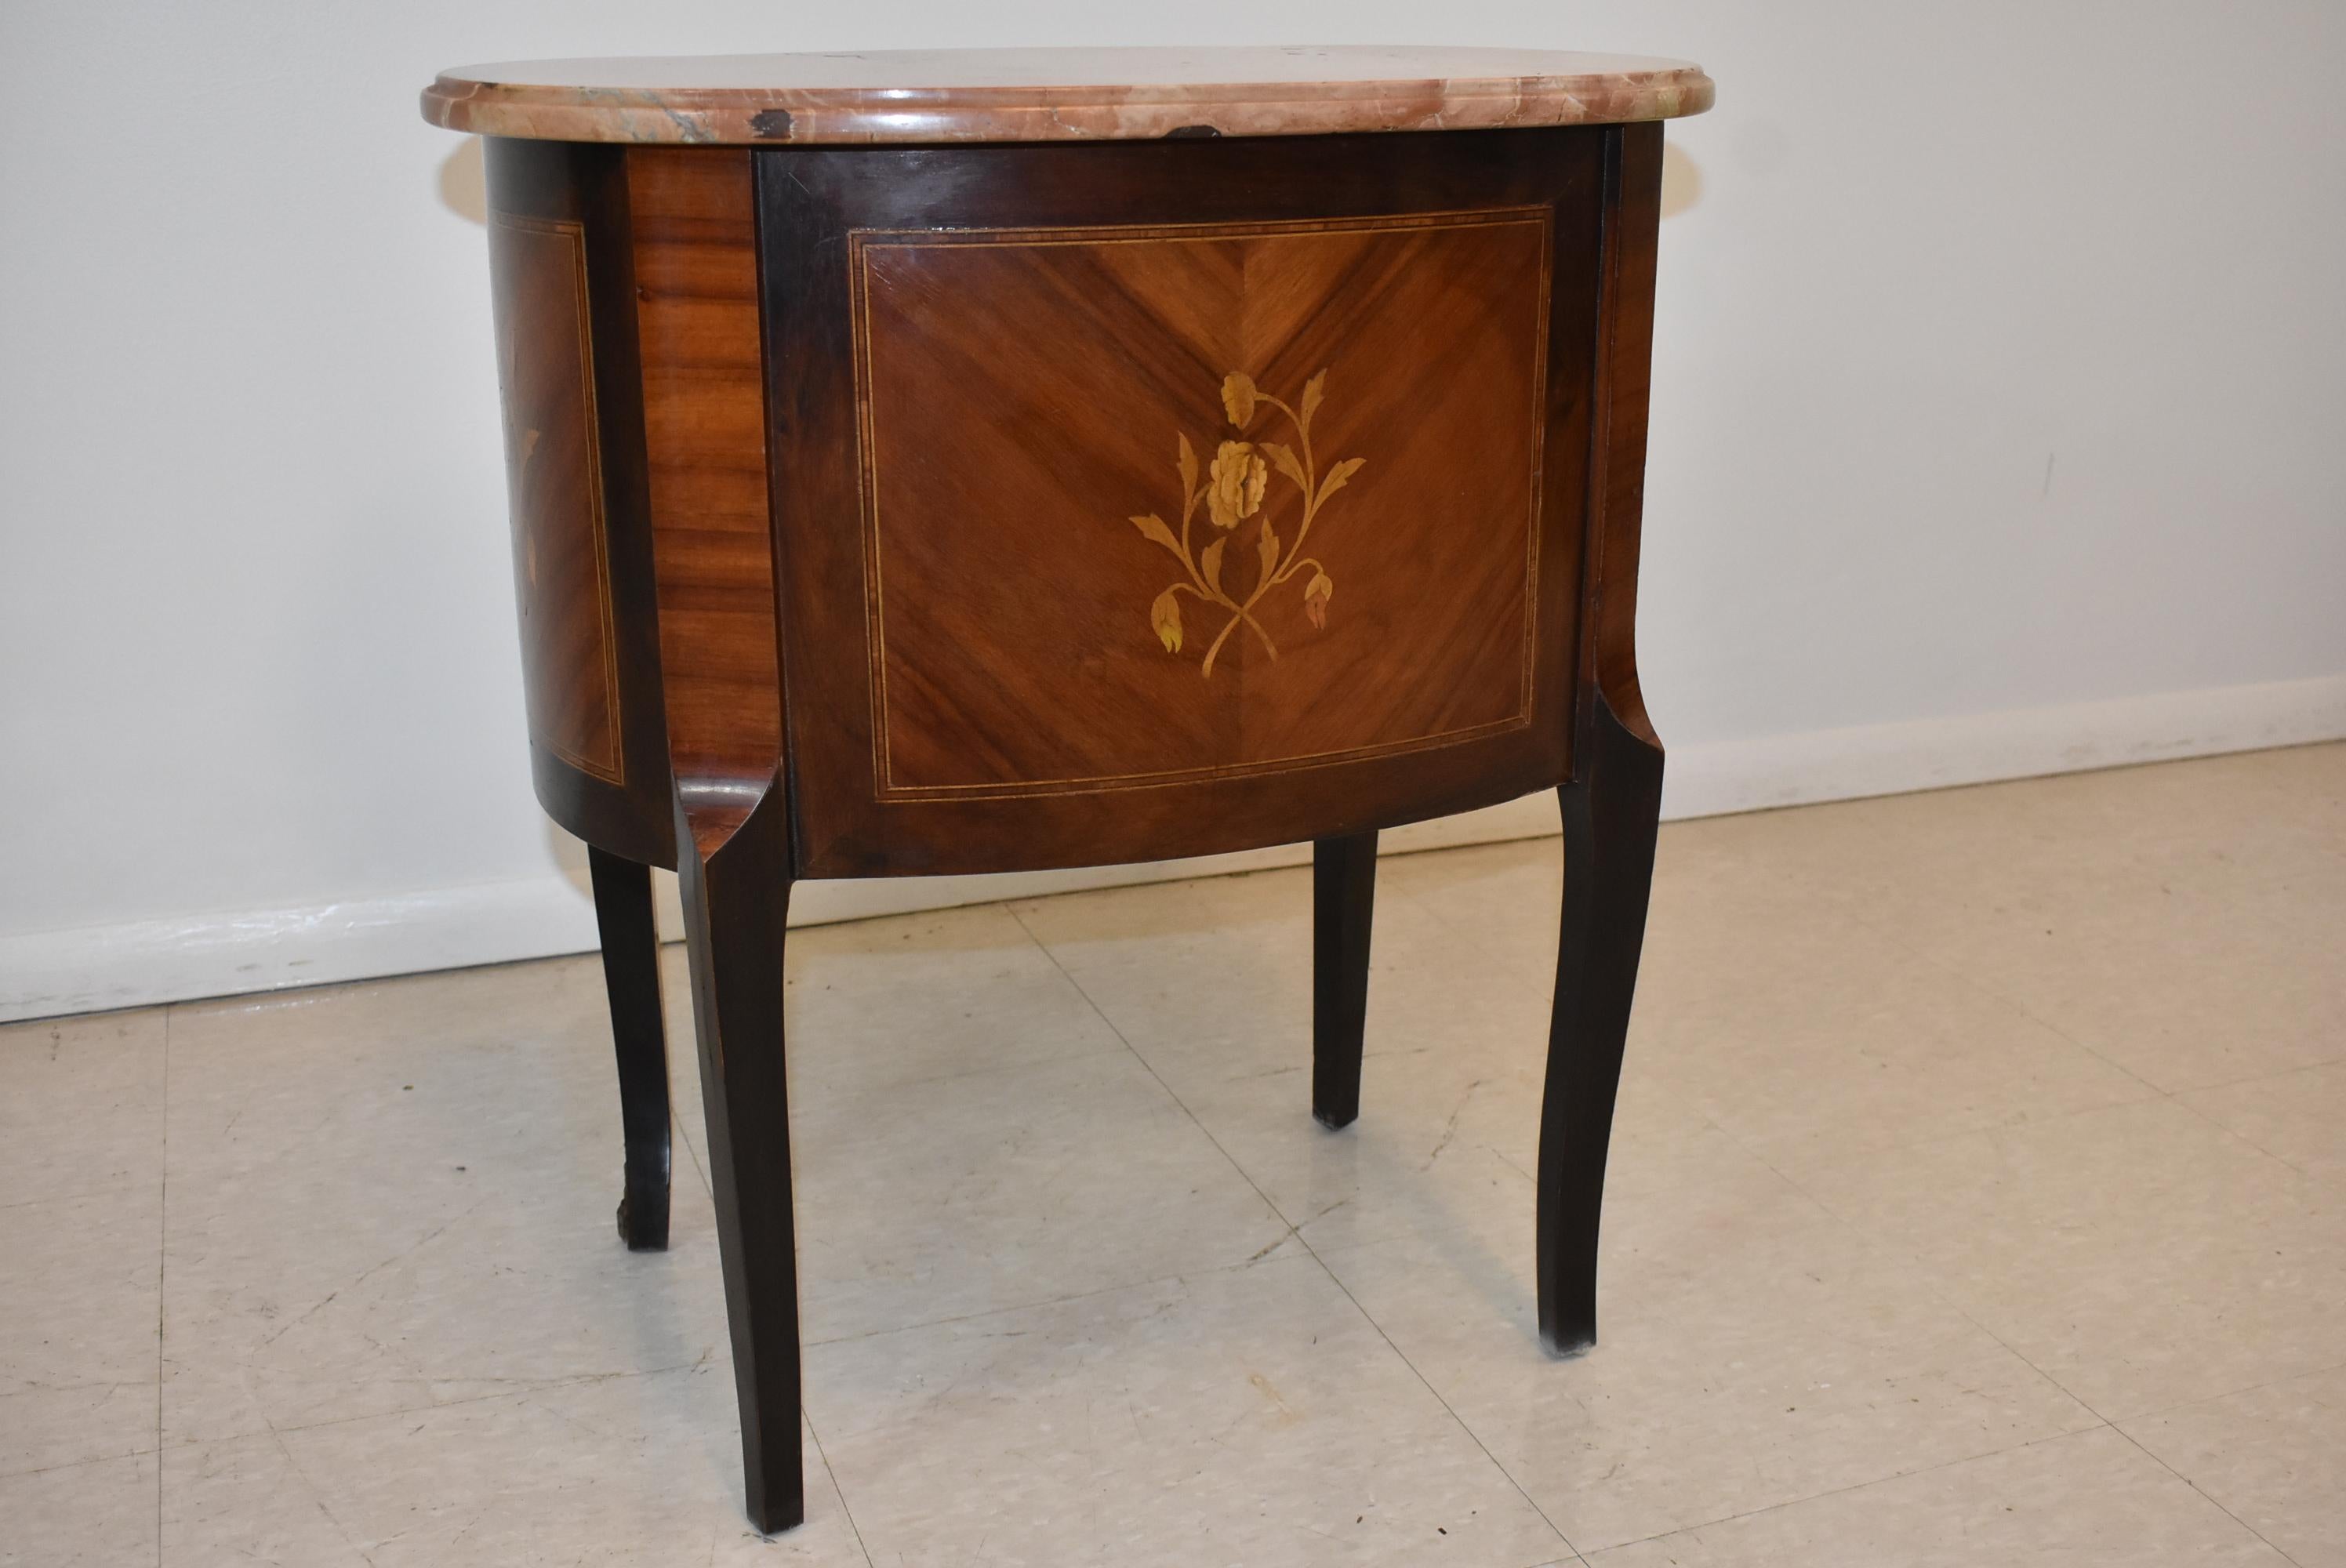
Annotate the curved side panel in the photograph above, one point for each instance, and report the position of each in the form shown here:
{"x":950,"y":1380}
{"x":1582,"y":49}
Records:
{"x":560,"y":276}
{"x":695,"y":274}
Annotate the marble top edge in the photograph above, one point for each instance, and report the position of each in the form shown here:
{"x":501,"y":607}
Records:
{"x":1057,"y":94}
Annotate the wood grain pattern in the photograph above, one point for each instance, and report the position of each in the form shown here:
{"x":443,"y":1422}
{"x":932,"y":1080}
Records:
{"x":704,"y":439}
{"x":1023,"y":393}
{"x":554,"y":475}
{"x":1024,"y":398}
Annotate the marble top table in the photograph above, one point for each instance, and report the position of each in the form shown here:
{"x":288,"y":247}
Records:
{"x":987,"y":460}
{"x":1058,"y":95}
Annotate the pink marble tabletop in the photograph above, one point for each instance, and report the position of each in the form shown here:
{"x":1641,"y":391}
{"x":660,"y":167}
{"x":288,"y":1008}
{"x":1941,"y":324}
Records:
{"x":1057,"y":95}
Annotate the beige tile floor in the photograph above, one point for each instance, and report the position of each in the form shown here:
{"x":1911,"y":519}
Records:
{"x":1979,"y":1196}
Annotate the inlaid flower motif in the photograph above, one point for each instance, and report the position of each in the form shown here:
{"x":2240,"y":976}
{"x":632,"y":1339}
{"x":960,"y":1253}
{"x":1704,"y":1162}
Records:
{"x":1233,"y":488}
{"x":1315,"y":599}
{"x":1165,"y":614}
{"x":1237,"y":476}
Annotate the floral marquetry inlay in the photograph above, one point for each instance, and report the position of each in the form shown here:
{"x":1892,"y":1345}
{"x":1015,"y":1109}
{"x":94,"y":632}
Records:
{"x":1277,"y":410}
{"x":1233,"y":488}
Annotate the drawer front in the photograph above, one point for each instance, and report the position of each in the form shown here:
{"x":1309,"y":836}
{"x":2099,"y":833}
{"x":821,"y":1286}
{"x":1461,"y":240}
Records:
{"x":1167,"y":498}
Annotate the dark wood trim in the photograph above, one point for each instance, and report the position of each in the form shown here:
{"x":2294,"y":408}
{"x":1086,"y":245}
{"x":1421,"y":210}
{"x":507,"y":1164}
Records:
{"x":1610,"y":818}
{"x":737,"y":895}
{"x":631,"y":975}
{"x":1612,"y":806}
{"x":1633,"y":203}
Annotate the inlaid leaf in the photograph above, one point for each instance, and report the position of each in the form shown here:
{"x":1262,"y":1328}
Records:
{"x":1238,"y":398}
{"x":1209,"y":562}
{"x":1283,"y":459}
{"x":1312,"y":391}
{"x":1189,"y":470}
{"x":1152,"y":528}
{"x":1339,"y":475}
{"x":1267,"y":546}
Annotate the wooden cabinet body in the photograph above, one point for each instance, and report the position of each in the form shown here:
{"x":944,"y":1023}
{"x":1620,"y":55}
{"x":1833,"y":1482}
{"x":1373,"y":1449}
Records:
{"x":1013,"y":507}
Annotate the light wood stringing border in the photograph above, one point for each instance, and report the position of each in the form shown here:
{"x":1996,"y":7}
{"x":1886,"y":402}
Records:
{"x":615,"y":769}
{"x":862,"y":241}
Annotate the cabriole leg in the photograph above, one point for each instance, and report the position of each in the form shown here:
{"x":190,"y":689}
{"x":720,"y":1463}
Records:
{"x":735,"y":900}
{"x":623,"y":913}
{"x":1610,"y":814}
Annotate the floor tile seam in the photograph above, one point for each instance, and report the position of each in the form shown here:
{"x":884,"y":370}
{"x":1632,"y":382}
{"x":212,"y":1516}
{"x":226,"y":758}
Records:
{"x":2119,"y":1422}
{"x":1293,"y":1230}
{"x":2242,"y":1138}
{"x":1857,"y":1486}
{"x":6,"y":1475}
{"x":88,"y":1385}
{"x":838,"y":1491}
{"x":1980,"y":984}
{"x":2201,"y":1493}
{"x":819,"y":1104}
{"x":1043,"y":1302}
{"x":1855,"y":1231}
{"x":1931,"y":1140}
{"x":1439,"y":1398}
{"x":528,"y":1387}
{"x":121,"y":1189}
{"x":2324,"y":1064}
{"x":1294,"y":1226}
{"x":986,"y":1069}
{"x":318,"y":1497}
{"x":2158,"y":1411}
{"x":692,"y":1154}
{"x":1148,"y":1067}
{"x":1540,"y":986}
{"x":1933,"y":1281}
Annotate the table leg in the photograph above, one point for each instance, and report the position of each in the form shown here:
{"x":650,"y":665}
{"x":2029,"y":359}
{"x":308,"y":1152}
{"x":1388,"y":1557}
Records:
{"x":1343,"y":894}
{"x":736,"y":902}
{"x":1610,"y":813}
{"x":623,"y":912}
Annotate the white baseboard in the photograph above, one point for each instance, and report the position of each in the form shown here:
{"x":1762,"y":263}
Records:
{"x":1723,"y":777}
{"x":44,"y":973}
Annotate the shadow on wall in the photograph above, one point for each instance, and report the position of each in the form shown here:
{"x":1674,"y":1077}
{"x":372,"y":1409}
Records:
{"x":1681,"y":180}
{"x":464,"y":183}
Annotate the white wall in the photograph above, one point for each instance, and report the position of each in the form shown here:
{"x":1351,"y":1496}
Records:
{"x":2000,"y":424}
